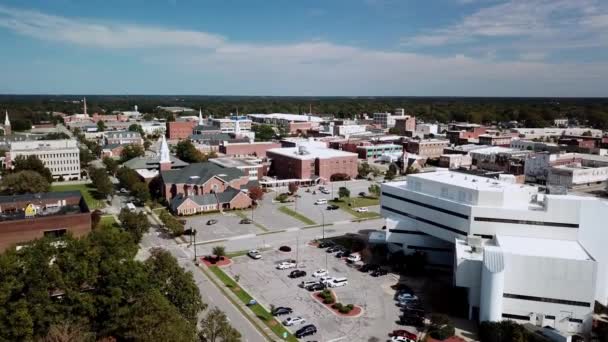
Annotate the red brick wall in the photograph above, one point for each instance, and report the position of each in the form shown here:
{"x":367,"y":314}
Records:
{"x":180,"y":129}
{"x":294,"y":127}
{"x":328,"y":167}
{"x":16,"y":232}
{"x":258,"y":150}
{"x":240,"y":201}
{"x":172,"y":190}
{"x":285,"y":167}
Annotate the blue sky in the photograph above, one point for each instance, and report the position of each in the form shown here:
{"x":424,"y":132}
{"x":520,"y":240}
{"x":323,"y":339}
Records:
{"x":293,"y":47}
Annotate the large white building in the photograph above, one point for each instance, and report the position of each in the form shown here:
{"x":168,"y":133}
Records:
{"x":61,"y":157}
{"x":520,"y":254}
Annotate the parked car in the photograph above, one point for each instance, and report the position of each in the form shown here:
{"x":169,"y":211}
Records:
{"x":286,"y":265}
{"x":282,"y":310}
{"x":246,"y":221}
{"x":316,"y":287}
{"x":332,"y":207}
{"x":338,"y":282}
{"x":361,"y":210}
{"x":305,"y":331}
{"x":326,"y":280}
{"x":334,"y":249}
{"x":342,"y":254}
{"x":293,"y":321}
{"x":326,"y":243}
{"x":405,"y":333}
{"x":417,"y":312}
{"x":320,"y":273}
{"x":212,"y":221}
{"x":123,"y":191}
{"x":325,"y":191}
{"x":297,"y":274}
{"x":401,"y":339}
{"x":369,"y":267}
{"x":379,"y":272}
{"x":307,"y":283}
{"x":354,"y":257}
{"x":321,"y":201}
{"x":407,"y":296}
{"x":254,"y":254}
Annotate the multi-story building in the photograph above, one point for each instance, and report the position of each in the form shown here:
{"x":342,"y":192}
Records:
{"x":180,"y":129}
{"x":405,"y":123}
{"x":123,"y":137}
{"x":311,"y":164}
{"x":387,"y":120}
{"x":61,"y":157}
{"x":153,"y":127}
{"x":348,"y":130}
{"x":519,"y":254}
{"x":243,"y":149}
{"x":576,"y":176}
{"x":255,"y":168}
{"x":495,"y":140}
{"x":232,"y":124}
{"x":376,"y":151}
{"x":460,"y":133}
{"x":455,"y":161}
{"x":426,"y":129}
{"x":429,"y":148}
{"x":560,"y":122}
{"x":554,"y":132}
{"x":289,"y":122}
{"x":536,"y":146}
{"x":502,"y":159}
{"x":32,"y":216}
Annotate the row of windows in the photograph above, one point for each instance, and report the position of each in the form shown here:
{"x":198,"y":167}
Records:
{"x":431,"y":249}
{"x":402,"y":231}
{"x":420,"y":219}
{"x":63,"y":169}
{"x":534,"y":223}
{"x":512,"y":316}
{"x":57,"y":155}
{"x":61,"y":162}
{"x":547,"y":300}
{"x":445,"y":211}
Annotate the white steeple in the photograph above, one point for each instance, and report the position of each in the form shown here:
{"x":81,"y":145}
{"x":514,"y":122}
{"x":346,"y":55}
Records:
{"x":6,"y":120}
{"x":237,"y":127}
{"x":163,"y":152}
{"x":200,"y":117}
{"x":84,"y":101}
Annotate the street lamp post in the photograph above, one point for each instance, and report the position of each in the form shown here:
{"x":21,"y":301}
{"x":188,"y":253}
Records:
{"x":323,"y":229}
{"x":195,"y":258}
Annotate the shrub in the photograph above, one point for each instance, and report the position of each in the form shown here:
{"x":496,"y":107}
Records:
{"x":337,"y":306}
{"x":350,"y":307}
{"x":329,"y":300}
{"x":344,"y":309}
{"x":282,"y":197}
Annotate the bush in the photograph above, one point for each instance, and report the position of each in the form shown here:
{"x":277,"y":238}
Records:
{"x":173,"y":225}
{"x":345,"y":309}
{"x":329,"y":300}
{"x":282,"y":197}
{"x":337,"y":306}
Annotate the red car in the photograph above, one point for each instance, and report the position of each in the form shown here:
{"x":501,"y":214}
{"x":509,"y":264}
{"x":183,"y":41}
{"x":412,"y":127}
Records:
{"x":405,"y":333}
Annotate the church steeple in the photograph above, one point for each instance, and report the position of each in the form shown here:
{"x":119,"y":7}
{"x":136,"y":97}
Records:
{"x":200,"y":117}
{"x":7,"y":124}
{"x":164,"y":155}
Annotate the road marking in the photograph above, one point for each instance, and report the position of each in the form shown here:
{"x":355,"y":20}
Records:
{"x":246,"y":236}
{"x":337,"y":339}
{"x":292,"y":229}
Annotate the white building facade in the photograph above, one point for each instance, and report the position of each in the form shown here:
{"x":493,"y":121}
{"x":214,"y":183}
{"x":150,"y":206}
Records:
{"x":61,"y":157}
{"x":520,"y":255}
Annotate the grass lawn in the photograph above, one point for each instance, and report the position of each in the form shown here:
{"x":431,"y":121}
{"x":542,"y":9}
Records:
{"x":90,"y":194}
{"x":286,"y":210}
{"x":259,"y":311}
{"x":356,"y":202}
{"x":244,"y":252}
{"x":108,"y":220}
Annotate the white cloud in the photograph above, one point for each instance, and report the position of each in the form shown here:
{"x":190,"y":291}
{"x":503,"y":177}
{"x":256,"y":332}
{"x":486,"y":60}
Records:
{"x":311,"y":67}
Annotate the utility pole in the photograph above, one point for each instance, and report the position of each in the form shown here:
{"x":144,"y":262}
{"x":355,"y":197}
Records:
{"x":195,"y":258}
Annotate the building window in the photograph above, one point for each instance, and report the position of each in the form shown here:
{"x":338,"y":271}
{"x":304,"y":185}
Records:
{"x":547,"y":300}
{"x":549,"y":317}
{"x":534,"y":223}
{"x":519,"y":317}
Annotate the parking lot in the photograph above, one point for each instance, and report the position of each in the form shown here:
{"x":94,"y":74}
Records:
{"x":273,"y":287}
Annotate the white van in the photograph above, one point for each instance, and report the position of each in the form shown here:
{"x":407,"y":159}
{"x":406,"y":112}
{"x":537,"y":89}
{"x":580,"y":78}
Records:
{"x":131,"y":206}
{"x":338,"y":282}
{"x":321,"y":201}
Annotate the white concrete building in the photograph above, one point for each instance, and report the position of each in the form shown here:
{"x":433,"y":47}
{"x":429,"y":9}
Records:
{"x":61,"y":157}
{"x":348,"y":130}
{"x":521,"y":255}
{"x":577,"y":176}
{"x":539,"y":133}
{"x":426,"y":129}
{"x":387,"y":120}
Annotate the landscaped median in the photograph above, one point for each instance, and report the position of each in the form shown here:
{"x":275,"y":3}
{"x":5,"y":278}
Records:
{"x":350,"y":204}
{"x":257,"y":309}
{"x":288,"y":211}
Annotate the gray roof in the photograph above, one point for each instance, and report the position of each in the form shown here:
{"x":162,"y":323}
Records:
{"x":206,"y":128}
{"x":206,"y":199}
{"x":200,"y":173}
{"x":40,"y":196}
{"x":250,"y":184}
{"x":148,"y":163}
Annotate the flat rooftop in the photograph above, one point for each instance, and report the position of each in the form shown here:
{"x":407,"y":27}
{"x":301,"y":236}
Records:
{"x":466,"y":181}
{"x":235,"y":162}
{"x":311,"y":153}
{"x":288,"y":117}
{"x":550,"y":248}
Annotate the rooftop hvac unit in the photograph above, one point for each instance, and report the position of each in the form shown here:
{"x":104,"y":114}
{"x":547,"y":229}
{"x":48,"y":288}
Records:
{"x":475,"y":242}
{"x":302,"y":150}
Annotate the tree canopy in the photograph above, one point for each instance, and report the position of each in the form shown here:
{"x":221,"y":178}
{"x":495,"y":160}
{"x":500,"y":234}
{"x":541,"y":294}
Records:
{"x":101,"y":181}
{"x":263,"y":132}
{"x":23,"y":182}
{"x":131,"y":151}
{"x":32,"y":163}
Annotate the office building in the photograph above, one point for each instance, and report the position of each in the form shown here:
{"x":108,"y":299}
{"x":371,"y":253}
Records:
{"x":405,"y":123}
{"x":123,"y":138}
{"x":376,"y":151}
{"x":519,"y":254}
{"x":243,"y":149}
{"x":429,"y":148}
{"x":311,"y":163}
{"x":61,"y":157}
{"x":255,"y":168}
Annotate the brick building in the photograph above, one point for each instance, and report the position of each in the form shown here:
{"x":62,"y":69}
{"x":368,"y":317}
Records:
{"x":495,"y":140}
{"x":230,"y":199}
{"x":180,"y":129}
{"x":32,"y":216}
{"x":405,"y":124}
{"x":431,"y":148}
{"x":257,"y":149}
{"x":309,"y":163}
{"x":202,"y":178}
{"x":460,"y":133}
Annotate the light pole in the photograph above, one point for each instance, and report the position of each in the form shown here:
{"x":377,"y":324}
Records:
{"x":323,"y":228}
{"x":195,"y":258}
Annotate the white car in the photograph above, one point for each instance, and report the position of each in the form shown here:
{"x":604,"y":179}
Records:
{"x":338,"y":282}
{"x":293,"y":321}
{"x":354,"y":257}
{"x":325,"y":191}
{"x":286,"y":265}
{"x":401,"y":339}
{"x":320,"y":273}
{"x":361,"y":210}
{"x":406,"y":297}
{"x":321,"y":201}
{"x":327,"y":280}
{"x":254,"y":254}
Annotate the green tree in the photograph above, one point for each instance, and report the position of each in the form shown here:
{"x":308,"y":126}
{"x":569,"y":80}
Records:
{"x":219,"y":251}
{"x":363,"y":170}
{"x":127,"y":177}
{"x":68,"y":332}
{"x":19,"y":125}
{"x":343,"y":192}
{"x":176,"y":284}
{"x":263,"y":132}
{"x":111,"y":165}
{"x":101,"y":181}
{"x":391,"y":173}
{"x":441,"y":327}
{"x":86,"y":156}
{"x":374,"y":189}
{"x":56,"y":136}
{"x":23,"y":182}
{"x":187,"y":152}
{"x":137,"y":128}
{"x":140,"y":191}
{"x":136,"y":224}
{"x":101,"y":126}
{"x":131,"y":151}
{"x":172,"y":224}
{"x":32,"y":163}
{"x":216,"y":328}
